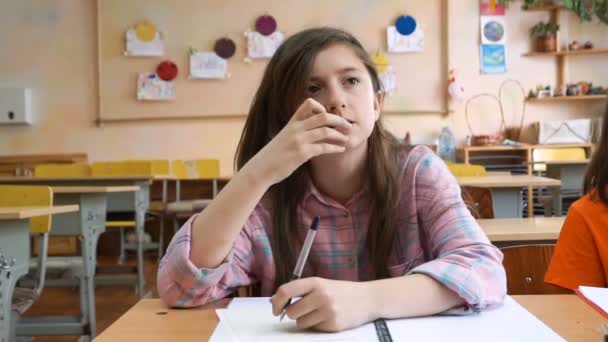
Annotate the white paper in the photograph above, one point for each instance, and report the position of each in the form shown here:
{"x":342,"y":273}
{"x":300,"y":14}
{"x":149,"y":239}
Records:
{"x":261,"y":46}
{"x":493,"y":30}
{"x":597,"y":295}
{"x":389,"y":80}
{"x":575,"y":131}
{"x":136,"y":47}
{"x":208,"y":65}
{"x":151,"y":88}
{"x":250,"y":319}
{"x":397,"y":42}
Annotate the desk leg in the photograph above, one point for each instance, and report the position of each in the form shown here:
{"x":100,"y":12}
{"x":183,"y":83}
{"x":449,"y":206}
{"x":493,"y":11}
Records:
{"x":556,"y":197}
{"x":93,"y":218}
{"x":14,"y":244}
{"x":142,"y":202}
{"x":507,"y":202}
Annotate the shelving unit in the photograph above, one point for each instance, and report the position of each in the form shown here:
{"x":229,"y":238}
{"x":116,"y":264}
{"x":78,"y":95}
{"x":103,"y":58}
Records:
{"x":561,"y":56}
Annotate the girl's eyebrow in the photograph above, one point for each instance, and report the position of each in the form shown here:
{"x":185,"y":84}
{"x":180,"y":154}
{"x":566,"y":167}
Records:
{"x":342,"y":71}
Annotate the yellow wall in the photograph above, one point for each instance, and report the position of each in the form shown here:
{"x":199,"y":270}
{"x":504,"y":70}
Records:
{"x":50,"y":46}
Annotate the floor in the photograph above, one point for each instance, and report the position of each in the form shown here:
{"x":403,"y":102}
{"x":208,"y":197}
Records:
{"x":112,"y":301}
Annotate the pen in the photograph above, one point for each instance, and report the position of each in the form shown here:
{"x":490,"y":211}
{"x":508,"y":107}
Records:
{"x":297,"y":272}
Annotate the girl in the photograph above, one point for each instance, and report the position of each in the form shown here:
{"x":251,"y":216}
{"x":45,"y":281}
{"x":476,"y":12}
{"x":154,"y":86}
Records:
{"x":581,"y":253}
{"x":394,"y":232}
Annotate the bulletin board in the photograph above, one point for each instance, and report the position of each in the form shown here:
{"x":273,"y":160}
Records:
{"x":421,"y":76}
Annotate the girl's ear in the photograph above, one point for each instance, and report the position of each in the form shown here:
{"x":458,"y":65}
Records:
{"x":378,"y":100}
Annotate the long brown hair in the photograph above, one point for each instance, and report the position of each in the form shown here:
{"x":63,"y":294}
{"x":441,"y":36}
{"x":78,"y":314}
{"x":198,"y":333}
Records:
{"x":596,"y":178}
{"x":277,"y":97}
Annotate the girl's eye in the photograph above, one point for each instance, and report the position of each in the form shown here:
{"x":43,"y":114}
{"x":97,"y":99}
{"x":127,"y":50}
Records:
{"x":352,"y":80}
{"x":313,"y":89}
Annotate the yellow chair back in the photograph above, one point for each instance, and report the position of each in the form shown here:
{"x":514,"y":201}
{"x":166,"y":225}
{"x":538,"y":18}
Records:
{"x":131,"y":168}
{"x":62,"y":170}
{"x":556,"y":154}
{"x":466,"y":170}
{"x":196,"y":169}
{"x":27,"y":196}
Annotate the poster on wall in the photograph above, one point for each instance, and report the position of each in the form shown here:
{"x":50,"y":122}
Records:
{"x":491,"y":7}
{"x":493,"y":59}
{"x":207,"y":65}
{"x":144,"y":40}
{"x":150,"y":87}
{"x":265,"y":40}
{"x":405,"y":36}
{"x":493,"y":30}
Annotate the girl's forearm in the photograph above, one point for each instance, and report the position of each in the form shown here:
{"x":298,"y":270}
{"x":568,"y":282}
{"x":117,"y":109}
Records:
{"x":409,"y":296}
{"x":218,"y":226}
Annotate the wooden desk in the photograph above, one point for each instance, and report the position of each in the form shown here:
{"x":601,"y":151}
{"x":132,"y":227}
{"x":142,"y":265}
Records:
{"x":137,"y":202}
{"x":150,"y":320}
{"x":506,"y":191}
{"x":88,"y":224}
{"x":15,"y":253}
{"x":533,"y":229}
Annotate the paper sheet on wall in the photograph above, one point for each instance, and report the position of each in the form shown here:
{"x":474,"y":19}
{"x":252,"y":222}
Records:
{"x":251,"y":320}
{"x":398,"y":42}
{"x":151,"y":88}
{"x":493,"y":30}
{"x":260,"y":46}
{"x":137,"y":47}
{"x":389,"y":80}
{"x":493,"y":59}
{"x":208,"y":65}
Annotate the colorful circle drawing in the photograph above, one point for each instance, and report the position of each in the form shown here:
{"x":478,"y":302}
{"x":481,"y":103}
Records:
{"x":146,"y":32}
{"x":266,"y":25}
{"x":225,"y":48}
{"x":166,"y":70}
{"x":493,"y":31}
{"x":405,"y":25}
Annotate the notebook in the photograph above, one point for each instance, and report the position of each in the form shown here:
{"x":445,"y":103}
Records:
{"x":251,"y":319}
{"x":597,"y":297}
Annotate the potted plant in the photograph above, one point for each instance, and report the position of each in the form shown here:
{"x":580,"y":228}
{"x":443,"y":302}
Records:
{"x":545,"y":36}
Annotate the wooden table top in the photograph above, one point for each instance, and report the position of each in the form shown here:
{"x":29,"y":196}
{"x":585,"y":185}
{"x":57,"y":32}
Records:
{"x":151,"y":320}
{"x":93,"y":189}
{"x":522,"y":229}
{"x":566,"y":162}
{"x":15,"y":213}
{"x":507,"y":181}
{"x":18,"y":179}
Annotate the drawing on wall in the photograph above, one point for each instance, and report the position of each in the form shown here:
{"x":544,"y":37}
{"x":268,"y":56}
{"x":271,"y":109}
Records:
{"x":150,"y":87}
{"x":144,"y":40}
{"x":493,"y":30}
{"x":405,"y":36}
{"x":388,"y":76}
{"x":493,"y":60}
{"x":265,"y":40}
{"x":208,"y":65}
{"x":212,"y":65}
{"x":491,"y":7}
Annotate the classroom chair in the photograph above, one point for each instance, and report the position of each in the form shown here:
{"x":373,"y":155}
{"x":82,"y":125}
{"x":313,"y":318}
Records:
{"x":572,"y":185}
{"x":16,"y":196}
{"x":478,"y":200}
{"x":526,"y":266}
{"x":199,"y":169}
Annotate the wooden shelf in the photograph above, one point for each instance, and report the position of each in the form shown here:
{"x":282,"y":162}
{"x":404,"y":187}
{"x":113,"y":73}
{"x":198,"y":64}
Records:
{"x":543,"y":8}
{"x":569,"y":98}
{"x":567,"y":52}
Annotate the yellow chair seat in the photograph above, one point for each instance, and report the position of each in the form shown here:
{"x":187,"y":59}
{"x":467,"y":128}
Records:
{"x":120,"y":224}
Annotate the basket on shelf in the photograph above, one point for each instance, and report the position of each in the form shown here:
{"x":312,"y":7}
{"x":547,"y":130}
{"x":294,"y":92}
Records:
{"x":485,"y":139}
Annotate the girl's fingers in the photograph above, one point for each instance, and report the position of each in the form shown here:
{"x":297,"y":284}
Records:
{"x":325,"y":134}
{"x":325,"y":148}
{"x":311,"y":319}
{"x":325,"y":119}
{"x":308,"y":108}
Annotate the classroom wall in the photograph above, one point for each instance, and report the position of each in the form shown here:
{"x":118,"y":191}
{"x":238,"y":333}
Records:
{"x":50,"y":46}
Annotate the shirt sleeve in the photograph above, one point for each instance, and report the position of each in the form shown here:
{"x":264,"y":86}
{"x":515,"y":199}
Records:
{"x":182,"y":284}
{"x":576,"y":260}
{"x":462,"y":257}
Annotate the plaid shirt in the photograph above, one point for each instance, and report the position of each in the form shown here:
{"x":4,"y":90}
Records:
{"x":436,"y":236}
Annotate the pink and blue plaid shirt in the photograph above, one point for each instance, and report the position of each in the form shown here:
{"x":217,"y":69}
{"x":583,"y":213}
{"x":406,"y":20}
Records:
{"x":436,"y":236}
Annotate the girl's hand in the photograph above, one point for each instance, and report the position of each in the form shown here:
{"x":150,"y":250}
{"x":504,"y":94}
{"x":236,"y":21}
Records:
{"x":326,"y":305}
{"x":310,"y":132}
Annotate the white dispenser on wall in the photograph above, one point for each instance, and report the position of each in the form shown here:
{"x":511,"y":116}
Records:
{"x":15,"y":106}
